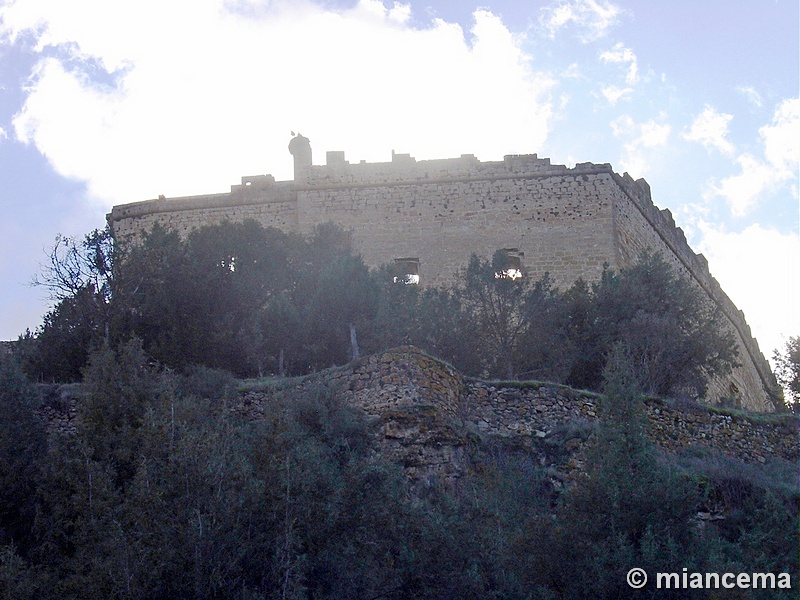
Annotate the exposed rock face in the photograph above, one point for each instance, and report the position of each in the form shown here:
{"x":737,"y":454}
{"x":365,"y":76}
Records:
{"x":428,"y":414}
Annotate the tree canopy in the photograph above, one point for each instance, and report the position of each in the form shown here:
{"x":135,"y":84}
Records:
{"x":787,"y":370}
{"x":163,"y":491}
{"x":255,"y":301}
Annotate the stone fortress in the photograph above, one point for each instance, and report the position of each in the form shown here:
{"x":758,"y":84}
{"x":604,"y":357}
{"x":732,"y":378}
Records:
{"x":427,"y":217}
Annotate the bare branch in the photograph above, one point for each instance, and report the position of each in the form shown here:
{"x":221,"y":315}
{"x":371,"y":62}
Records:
{"x":74,"y":265}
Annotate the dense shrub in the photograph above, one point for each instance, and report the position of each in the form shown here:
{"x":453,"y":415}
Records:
{"x":164,"y":492}
{"x":252,"y":301}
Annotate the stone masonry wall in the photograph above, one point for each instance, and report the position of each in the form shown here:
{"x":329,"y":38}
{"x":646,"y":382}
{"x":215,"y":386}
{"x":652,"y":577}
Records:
{"x":258,"y":198}
{"x":428,"y":413}
{"x":639,"y":225}
{"x":567,"y":222}
{"x":560,"y":219}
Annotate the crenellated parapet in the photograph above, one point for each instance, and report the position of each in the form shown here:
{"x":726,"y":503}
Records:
{"x":405,"y":169}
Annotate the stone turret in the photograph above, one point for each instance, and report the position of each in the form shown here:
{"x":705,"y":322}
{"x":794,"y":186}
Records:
{"x":300,"y":148}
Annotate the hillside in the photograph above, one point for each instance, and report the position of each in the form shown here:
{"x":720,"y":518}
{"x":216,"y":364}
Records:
{"x":392,"y":476}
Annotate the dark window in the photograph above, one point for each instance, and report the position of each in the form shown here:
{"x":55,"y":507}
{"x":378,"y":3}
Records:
{"x":406,"y":271}
{"x":512,"y":264}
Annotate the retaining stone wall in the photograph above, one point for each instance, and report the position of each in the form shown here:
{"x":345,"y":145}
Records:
{"x":428,"y":413}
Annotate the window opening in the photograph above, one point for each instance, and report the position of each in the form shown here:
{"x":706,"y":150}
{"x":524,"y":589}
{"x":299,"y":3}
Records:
{"x":512,"y":265}
{"x":406,"y":271}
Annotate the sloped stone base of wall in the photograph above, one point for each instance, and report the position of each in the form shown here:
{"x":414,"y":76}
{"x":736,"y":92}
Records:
{"x":427,"y":414}
{"x":428,"y":417}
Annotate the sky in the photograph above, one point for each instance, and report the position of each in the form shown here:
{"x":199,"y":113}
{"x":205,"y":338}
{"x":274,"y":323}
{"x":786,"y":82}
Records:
{"x":103,"y":103}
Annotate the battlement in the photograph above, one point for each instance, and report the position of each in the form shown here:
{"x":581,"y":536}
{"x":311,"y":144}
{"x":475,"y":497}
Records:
{"x":568,"y":222}
{"x":696,"y":265}
{"x":404,"y":169}
{"x":338,"y":172}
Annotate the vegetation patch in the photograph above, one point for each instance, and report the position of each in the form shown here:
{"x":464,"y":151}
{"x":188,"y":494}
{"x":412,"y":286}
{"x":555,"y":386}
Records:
{"x":162,"y":492}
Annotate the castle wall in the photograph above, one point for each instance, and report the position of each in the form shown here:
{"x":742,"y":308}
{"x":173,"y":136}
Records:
{"x":567,"y":222}
{"x":639,"y":225}
{"x":259,"y":198}
{"x":443,"y":211}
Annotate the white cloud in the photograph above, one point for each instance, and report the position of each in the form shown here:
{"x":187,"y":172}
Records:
{"x":760,"y":270}
{"x":400,"y":13}
{"x":778,"y":168}
{"x":751,"y":95}
{"x":614,"y":94}
{"x":620,"y":55}
{"x":592,"y":18}
{"x":625,"y":56}
{"x":782,"y":138}
{"x":742,"y":191}
{"x":203,"y":95}
{"x":654,"y":134}
{"x":573,"y":71}
{"x":639,"y":137}
{"x":710,"y":128}
{"x":3,"y":134}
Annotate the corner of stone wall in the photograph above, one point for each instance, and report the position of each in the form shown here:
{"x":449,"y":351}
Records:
{"x":673,"y":236}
